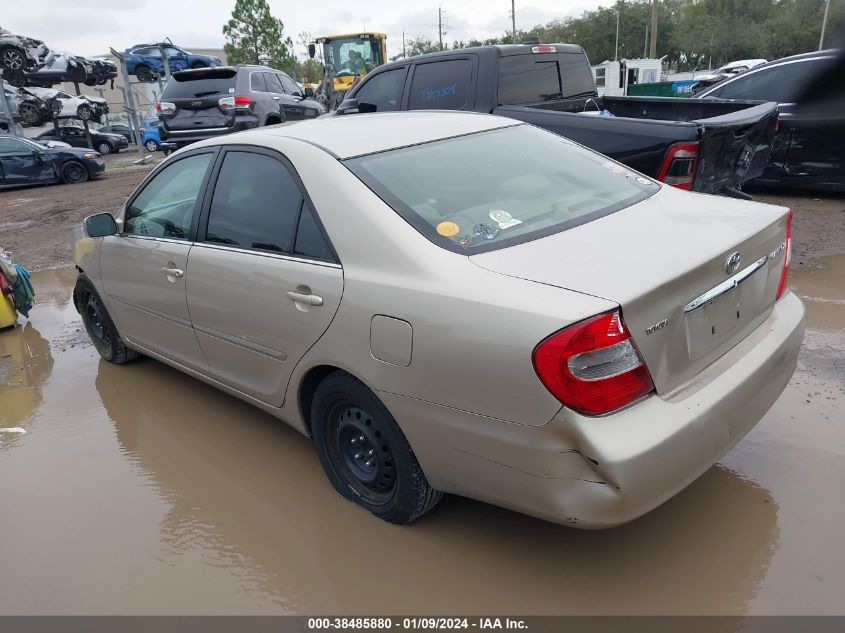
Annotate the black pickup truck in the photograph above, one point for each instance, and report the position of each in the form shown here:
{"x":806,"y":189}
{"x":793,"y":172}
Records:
{"x":704,"y":145}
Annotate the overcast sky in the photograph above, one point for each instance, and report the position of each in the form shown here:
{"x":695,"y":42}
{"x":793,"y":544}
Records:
{"x":90,"y":27}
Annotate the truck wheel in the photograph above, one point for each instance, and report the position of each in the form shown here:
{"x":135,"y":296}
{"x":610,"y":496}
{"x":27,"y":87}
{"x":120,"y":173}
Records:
{"x":104,"y":148}
{"x":74,"y":173}
{"x":365,"y":454}
{"x":98,"y":323}
{"x":143,"y":73}
{"x":12,"y":58}
{"x":85,"y":112}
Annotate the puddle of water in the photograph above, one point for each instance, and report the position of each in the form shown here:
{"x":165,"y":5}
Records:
{"x":821,"y":285}
{"x":137,"y":489}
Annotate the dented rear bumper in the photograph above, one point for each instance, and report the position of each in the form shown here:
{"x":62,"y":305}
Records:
{"x":605,"y":471}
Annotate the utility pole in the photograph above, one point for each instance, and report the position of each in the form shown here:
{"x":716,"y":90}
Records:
{"x":616,"y":50}
{"x":645,"y":44}
{"x":513,"y":20}
{"x":824,"y":24}
{"x":404,"y":54}
{"x":440,"y":25}
{"x":653,"y":48}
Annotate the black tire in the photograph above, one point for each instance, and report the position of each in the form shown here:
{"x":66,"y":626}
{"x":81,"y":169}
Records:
{"x":143,"y":73}
{"x":151,"y":145}
{"x":12,"y":58}
{"x":98,"y":324}
{"x":91,"y":81}
{"x":273,"y":121}
{"x":29,"y":114}
{"x":104,"y":147}
{"x":74,"y":173}
{"x":77,"y":74}
{"x":198,"y":65}
{"x":14,"y":78}
{"x":102,"y":82}
{"x":379,"y":472}
{"x":85,"y":112}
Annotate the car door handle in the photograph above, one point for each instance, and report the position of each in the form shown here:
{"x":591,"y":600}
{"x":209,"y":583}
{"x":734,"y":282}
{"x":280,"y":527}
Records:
{"x":311,"y":300}
{"x":277,"y":98}
{"x":173,"y":272}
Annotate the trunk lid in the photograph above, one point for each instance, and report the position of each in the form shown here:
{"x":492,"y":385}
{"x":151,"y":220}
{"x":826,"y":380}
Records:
{"x":655,"y":259}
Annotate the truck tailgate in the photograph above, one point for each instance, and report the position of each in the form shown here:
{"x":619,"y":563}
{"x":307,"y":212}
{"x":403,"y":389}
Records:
{"x":734,"y":147}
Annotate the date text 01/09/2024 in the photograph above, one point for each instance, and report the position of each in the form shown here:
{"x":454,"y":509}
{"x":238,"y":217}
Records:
{"x":412,"y":623}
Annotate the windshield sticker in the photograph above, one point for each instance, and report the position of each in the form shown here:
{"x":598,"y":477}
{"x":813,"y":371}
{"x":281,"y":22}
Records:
{"x":644,"y":181}
{"x":504,"y":219}
{"x":485,"y":231}
{"x":448,"y":229}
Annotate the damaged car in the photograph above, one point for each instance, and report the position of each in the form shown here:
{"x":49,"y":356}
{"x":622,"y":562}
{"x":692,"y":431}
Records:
{"x":18,"y":53}
{"x":82,"y":107}
{"x":103,"y":71}
{"x":24,"y":162}
{"x":32,"y":109}
{"x":145,"y":61}
{"x":63,"y":66}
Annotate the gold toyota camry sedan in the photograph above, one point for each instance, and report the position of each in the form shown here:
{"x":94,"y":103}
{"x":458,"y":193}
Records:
{"x":455,"y":303}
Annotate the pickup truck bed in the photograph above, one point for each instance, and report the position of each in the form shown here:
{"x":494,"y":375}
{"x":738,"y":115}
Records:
{"x":711,"y":146}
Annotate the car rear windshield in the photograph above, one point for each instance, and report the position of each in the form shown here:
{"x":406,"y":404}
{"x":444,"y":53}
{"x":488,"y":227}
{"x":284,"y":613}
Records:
{"x":494,"y":189}
{"x":200,"y":83}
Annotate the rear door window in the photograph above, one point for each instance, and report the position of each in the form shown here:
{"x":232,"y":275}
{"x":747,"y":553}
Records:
{"x":257,"y":83}
{"x":256,"y":203}
{"x":442,"y":85}
{"x":384,"y":90}
{"x":538,"y":78}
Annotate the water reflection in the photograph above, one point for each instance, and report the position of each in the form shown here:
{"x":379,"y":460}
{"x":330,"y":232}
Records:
{"x":249,"y":494}
{"x":25,"y":365}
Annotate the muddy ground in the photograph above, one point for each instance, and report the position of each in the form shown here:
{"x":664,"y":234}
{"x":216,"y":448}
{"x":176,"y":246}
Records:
{"x":139,"y":490}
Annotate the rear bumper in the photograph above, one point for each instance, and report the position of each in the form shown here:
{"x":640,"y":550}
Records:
{"x":186,"y":137}
{"x":601,"y":472}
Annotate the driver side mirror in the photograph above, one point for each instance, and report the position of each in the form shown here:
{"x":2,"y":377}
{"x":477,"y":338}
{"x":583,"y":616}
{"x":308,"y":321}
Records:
{"x":100,"y":225}
{"x":309,"y":93}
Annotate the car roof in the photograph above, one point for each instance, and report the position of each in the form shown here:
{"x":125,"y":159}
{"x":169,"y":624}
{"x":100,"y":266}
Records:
{"x":831,"y":52}
{"x":500,"y":50}
{"x":345,"y":136}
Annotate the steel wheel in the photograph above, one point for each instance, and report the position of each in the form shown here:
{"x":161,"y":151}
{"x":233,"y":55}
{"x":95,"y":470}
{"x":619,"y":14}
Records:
{"x":358,"y":447}
{"x":94,"y":317}
{"x":364,"y":453}
{"x":74,"y":173}
{"x":98,"y":324}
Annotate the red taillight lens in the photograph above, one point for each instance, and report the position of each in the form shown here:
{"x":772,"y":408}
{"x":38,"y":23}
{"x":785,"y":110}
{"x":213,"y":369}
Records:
{"x":787,"y":257}
{"x":678,"y":168}
{"x":543,"y":48}
{"x":165,"y":107}
{"x":239,"y":102}
{"x":593,"y":366}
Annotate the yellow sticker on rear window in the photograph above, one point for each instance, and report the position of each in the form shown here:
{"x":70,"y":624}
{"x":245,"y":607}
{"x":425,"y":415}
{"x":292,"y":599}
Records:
{"x":448,"y":229}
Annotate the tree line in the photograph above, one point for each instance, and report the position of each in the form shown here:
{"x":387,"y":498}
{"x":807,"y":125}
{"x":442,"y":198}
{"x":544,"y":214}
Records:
{"x":692,"y":34}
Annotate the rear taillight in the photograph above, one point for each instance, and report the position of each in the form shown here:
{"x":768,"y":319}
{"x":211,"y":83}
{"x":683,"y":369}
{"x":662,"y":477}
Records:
{"x":678,"y":168}
{"x":543,"y":48}
{"x":238,"y":102}
{"x":165,"y":107}
{"x":787,"y":257}
{"x":593,"y":366}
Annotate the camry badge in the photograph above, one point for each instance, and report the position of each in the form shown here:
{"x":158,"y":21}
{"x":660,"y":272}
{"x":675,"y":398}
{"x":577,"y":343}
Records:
{"x":732,"y":263}
{"x":651,"y":329}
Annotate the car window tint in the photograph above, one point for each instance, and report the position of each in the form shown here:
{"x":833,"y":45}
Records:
{"x":13,"y":145}
{"x":165,"y":206}
{"x":255,"y":205}
{"x":384,"y":90}
{"x":256,"y":82}
{"x":309,"y":238}
{"x":441,"y":85}
{"x":780,"y":83}
{"x":289,"y":85}
{"x":273,"y":83}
